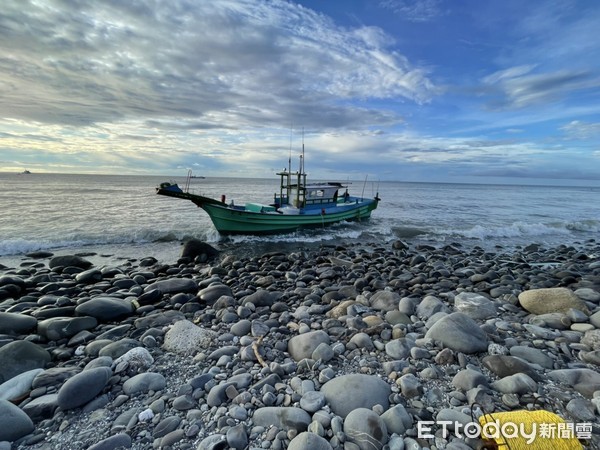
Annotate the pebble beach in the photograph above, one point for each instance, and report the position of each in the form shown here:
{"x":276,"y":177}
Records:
{"x":333,"y":347}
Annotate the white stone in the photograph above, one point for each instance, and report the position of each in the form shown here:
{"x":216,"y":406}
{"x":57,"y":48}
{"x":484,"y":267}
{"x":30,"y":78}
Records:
{"x":186,"y":338}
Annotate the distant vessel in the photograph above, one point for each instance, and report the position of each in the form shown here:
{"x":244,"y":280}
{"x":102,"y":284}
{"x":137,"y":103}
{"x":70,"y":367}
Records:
{"x":298,"y":205}
{"x":26,"y":172}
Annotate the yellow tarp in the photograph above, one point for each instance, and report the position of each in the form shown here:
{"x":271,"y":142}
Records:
{"x":529,"y":430}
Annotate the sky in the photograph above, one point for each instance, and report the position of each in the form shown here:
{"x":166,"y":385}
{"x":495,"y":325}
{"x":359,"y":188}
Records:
{"x":403,"y":90}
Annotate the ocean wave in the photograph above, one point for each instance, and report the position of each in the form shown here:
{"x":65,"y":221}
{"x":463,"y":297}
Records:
{"x":524,"y":230}
{"x":301,"y":236}
{"x":374,"y":230}
{"x":514,"y":230}
{"x":591,"y":226}
{"x":18,"y":246}
{"x":22,"y":246}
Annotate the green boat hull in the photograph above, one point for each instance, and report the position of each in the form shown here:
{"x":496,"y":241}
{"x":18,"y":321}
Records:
{"x":229,"y":219}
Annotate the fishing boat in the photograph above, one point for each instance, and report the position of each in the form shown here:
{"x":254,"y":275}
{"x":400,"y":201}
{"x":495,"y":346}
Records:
{"x":298,"y":204}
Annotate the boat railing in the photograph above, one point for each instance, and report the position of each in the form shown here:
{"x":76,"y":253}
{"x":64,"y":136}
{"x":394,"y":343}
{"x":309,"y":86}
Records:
{"x":187,"y":181}
{"x":189,"y":187}
{"x":320,"y":201}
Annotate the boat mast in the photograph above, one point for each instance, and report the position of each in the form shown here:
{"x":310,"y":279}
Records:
{"x":289,"y":173}
{"x":301,"y":186}
{"x":290,"y":156}
{"x":303,"y":171}
{"x":286,"y":179}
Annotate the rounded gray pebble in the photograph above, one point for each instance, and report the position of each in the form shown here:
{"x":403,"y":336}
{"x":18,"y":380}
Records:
{"x":312,"y":401}
{"x":309,"y":441}
{"x":121,"y":440}
{"x":83,"y":387}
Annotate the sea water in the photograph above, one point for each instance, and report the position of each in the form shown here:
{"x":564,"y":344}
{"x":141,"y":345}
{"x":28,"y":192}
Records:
{"x":119,"y":217}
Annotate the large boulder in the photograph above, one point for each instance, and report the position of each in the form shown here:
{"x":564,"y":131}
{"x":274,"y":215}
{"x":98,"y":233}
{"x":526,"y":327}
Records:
{"x":195,"y":248}
{"x":11,"y":323}
{"x":385,"y":301}
{"x":591,"y":338}
{"x":69,"y":261}
{"x":519,"y":383}
{"x":532,"y":355}
{"x":429,"y":306}
{"x":505,"y":365}
{"x":89,"y":276}
{"x":474,"y":305}
{"x":14,"y":422}
{"x":458,"y":332}
{"x":57,"y":328}
{"x":349,"y":392}
{"x":307,"y":440}
{"x":83,"y":387}
{"x":282,"y":418}
{"x":366,"y":429}
{"x":397,"y":420}
{"x":262,"y":297}
{"x":186,"y":338}
{"x":551,"y":300}
{"x":19,"y":385}
{"x":212,"y":293}
{"x":173,"y":286}
{"x":303,"y":345}
{"x":588,"y":294}
{"x":116,"y":349}
{"x":583,"y":380}
{"x":21,"y":356}
{"x":144,"y":382}
{"x":12,"y":285}
{"x":105,"y":309}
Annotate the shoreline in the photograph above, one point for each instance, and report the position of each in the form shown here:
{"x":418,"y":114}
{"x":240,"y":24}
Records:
{"x":168,"y":252}
{"x":280,"y":334}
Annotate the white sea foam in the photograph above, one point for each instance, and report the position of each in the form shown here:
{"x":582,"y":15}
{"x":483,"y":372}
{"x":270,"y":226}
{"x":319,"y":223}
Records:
{"x":514,"y":230}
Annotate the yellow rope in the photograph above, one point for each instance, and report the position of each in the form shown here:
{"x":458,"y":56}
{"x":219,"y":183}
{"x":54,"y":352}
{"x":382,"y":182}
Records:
{"x":541,"y":430}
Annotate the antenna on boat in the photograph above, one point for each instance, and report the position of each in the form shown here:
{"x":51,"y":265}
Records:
{"x":302,"y":166}
{"x":290,"y":157}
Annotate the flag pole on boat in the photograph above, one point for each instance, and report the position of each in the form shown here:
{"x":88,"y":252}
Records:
{"x":302,"y":157}
{"x":290,"y":157}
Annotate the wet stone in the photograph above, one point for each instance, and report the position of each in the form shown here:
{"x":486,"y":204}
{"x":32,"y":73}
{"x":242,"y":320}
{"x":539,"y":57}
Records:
{"x":366,"y":429}
{"x":83,"y":387}
{"x":458,"y":332}
{"x":348,"y":392}
{"x":21,"y":356}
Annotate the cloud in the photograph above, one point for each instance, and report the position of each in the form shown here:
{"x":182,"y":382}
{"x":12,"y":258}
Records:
{"x":579,"y":130}
{"x":211,"y":64}
{"x":517,"y":88}
{"x":554,"y":32}
{"x":413,"y":10}
{"x":143,"y":86}
{"x":544,"y":54}
{"x":508,"y":74}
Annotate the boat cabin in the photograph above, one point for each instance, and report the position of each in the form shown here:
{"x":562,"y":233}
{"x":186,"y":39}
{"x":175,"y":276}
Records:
{"x":298,"y":194}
